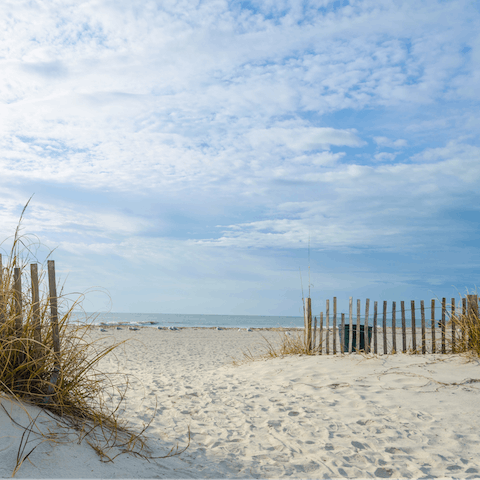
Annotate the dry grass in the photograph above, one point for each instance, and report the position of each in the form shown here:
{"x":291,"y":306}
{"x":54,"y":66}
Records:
{"x":467,"y":338}
{"x":289,"y":343}
{"x":68,"y":386}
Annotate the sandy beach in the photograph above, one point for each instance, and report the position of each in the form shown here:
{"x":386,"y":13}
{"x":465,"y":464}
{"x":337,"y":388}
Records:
{"x":347,"y":416}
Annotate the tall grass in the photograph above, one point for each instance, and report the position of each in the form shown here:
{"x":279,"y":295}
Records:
{"x":69,"y":386}
{"x":467,"y":326}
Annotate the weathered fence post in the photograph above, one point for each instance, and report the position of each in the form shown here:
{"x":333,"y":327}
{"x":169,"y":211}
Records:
{"x":17,"y":299}
{"x":2,"y":298}
{"x":452,"y":319}
{"x":394,"y":328}
{"x":314,"y":336}
{"x":320,"y":334}
{"x":385,"y":348}
{"x":472,"y":302}
{"x":375,"y":349}
{"x":342,"y":336}
{"x":414,"y":327}
{"x":365,"y":329}
{"x":327,"y":327}
{"x":309,"y":324}
{"x":357,"y":332}
{"x":464,"y":313}
{"x":54,"y":309}
{"x":444,"y":311}
{"x":424,"y":336}
{"x":433,"y":326}
{"x":334,"y":342}
{"x":404,"y":328}
{"x":37,"y":332}
{"x":350,"y":336}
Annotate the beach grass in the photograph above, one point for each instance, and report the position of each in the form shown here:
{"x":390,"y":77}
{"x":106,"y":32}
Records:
{"x":68,"y":385}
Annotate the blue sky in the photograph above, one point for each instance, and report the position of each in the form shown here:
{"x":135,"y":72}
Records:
{"x":183,"y":155}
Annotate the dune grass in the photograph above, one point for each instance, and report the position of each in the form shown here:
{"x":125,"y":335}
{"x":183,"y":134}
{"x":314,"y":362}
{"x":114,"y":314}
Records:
{"x":69,"y":386}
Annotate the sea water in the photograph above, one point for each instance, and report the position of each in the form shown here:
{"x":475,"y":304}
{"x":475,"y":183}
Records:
{"x":189,"y":320}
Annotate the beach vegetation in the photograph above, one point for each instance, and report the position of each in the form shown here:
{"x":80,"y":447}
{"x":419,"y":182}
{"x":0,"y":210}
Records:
{"x":69,"y":386}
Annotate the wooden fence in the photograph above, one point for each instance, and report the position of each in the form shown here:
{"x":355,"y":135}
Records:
{"x":382,"y":337}
{"x":12,"y":304}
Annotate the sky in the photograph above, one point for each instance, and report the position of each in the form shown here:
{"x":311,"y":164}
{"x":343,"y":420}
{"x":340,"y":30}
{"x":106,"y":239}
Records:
{"x":228,"y":157}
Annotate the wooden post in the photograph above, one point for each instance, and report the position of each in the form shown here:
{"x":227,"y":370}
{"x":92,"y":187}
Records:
{"x":414,"y":327}
{"x":472,"y":302}
{"x":17,"y":299}
{"x":385,"y":348}
{"x":320,"y":334}
{"x":357,"y":331}
{"x":365,"y":330}
{"x":2,"y":298}
{"x":394,"y":328}
{"x":350,"y":336}
{"x":375,"y":349}
{"x":309,"y":325}
{"x":327,"y":325}
{"x":54,"y":309}
{"x":314,"y":339}
{"x":342,"y":336}
{"x":464,"y":314}
{"x":424,"y":336}
{"x":433,"y":326}
{"x":444,"y":311}
{"x":472,"y":305}
{"x":334,"y":342}
{"x":452,"y":319}
{"x":37,"y":332}
{"x":404,"y":329}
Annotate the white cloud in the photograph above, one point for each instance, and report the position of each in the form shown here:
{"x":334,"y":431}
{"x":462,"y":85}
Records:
{"x":386,"y":142}
{"x":385,"y":157}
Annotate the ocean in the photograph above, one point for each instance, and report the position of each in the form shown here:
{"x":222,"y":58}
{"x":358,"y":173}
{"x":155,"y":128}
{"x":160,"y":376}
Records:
{"x":192,"y":320}
{"x":225,"y":321}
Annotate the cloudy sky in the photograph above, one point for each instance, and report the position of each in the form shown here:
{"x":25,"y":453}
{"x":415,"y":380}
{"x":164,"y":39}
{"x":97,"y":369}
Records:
{"x":183,"y":154}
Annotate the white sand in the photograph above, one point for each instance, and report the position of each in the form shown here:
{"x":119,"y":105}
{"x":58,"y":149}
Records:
{"x":324,"y":417}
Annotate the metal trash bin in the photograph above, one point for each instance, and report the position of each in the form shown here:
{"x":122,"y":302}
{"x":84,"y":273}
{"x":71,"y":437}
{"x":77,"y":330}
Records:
{"x":354,"y":338}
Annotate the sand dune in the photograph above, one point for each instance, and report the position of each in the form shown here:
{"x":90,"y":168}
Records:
{"x":326,"y":417}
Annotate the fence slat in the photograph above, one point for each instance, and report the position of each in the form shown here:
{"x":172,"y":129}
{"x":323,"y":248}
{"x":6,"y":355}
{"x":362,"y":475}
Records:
{"x":375,"y":349}
{"x":320,"y":335}
{"x":334,"y":325}
{"x":309,"y":324}
{"x":2,"y":298}
{"x":385,"y":348}
{"x":452,"y":319}
{"x":394,"y":328}
{"x":327,"y":325}
{"x":17,"y":298}
{"x":404,"y":328}
{"x":365,"y":331}
{"x":464,"y":313}
{"x":350,"y":318}
{"x":37,"y":332}
{"x":444,"y":311}
{"x":472,"y":306}
{"x":357,"y":332}
{"x":424,"y":338}
{"x":434,"y":347}
{"x":414,"y":327}
{"x":342,"y":334}
{"x":54,"y":309}
{"x":314,"y":339}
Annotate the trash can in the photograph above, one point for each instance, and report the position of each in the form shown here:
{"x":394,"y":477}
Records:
{"x":354,"y":338}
